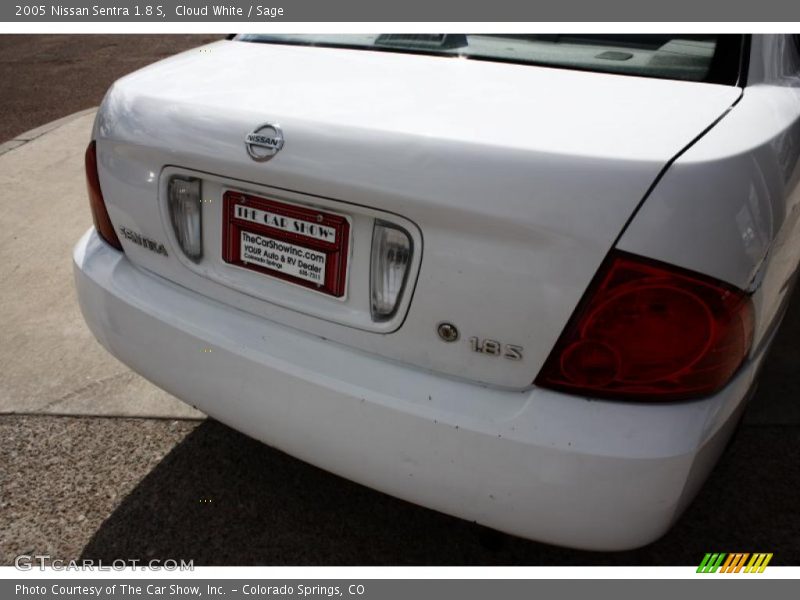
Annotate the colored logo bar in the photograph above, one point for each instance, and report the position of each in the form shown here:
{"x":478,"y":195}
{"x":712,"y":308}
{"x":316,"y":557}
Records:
{"x":734,"y":562}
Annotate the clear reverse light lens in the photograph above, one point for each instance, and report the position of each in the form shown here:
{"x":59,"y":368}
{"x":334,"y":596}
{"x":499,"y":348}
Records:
{"x":391,"y":255}
{"x":186,"y":215}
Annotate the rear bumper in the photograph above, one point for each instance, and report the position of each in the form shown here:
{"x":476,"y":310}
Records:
{"x":555,"y":468}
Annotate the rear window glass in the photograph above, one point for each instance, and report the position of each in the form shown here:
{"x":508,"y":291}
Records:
{"x":695,"y":57}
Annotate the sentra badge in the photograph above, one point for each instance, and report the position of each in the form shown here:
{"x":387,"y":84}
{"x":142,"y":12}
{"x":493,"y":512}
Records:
{"x":143,"y":241}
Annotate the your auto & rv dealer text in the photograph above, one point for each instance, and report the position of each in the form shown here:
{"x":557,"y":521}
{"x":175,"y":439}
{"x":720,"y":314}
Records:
{"x":297,"y":590}
{"x":49,"y":11}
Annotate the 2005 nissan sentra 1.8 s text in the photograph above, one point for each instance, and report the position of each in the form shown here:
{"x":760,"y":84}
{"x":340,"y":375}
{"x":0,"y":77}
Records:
{"x":527,"y":280}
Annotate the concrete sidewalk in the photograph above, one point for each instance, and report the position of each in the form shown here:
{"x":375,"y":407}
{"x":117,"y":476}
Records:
{"x":51,"y":362}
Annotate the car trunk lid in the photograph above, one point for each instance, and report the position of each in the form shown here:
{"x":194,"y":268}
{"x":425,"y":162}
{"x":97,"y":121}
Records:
{"x":513,"y":181}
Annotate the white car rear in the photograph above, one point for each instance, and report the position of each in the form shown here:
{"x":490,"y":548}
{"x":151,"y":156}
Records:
{"x":531,"y":296}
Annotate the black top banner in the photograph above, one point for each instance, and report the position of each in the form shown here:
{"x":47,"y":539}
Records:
{"x":409,"y":11}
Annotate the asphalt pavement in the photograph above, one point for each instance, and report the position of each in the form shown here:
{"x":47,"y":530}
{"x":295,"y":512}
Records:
{"x":95,"y":462}
{"x":46,"y":77}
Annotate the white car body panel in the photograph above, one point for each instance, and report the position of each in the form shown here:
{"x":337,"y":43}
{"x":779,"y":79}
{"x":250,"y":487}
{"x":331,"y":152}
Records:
{"x":729,"y":206}
{"x":516,"y":182}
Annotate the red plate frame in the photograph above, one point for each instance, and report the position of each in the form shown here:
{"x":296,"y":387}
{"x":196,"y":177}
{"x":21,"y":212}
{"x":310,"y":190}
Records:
{"x":336,"y":252}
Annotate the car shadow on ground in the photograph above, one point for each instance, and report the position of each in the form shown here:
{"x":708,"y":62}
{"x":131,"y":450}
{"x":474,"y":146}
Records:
{"x":221,"y":498}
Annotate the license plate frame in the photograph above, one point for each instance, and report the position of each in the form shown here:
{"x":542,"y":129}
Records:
{"x":264,"y":234}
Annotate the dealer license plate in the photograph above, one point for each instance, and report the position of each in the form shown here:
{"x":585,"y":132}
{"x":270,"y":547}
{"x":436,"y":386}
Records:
{"x":295,"y":243}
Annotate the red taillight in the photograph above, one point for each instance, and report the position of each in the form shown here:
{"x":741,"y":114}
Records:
{"x":647,"y":331}
{"x":99,"y":213}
